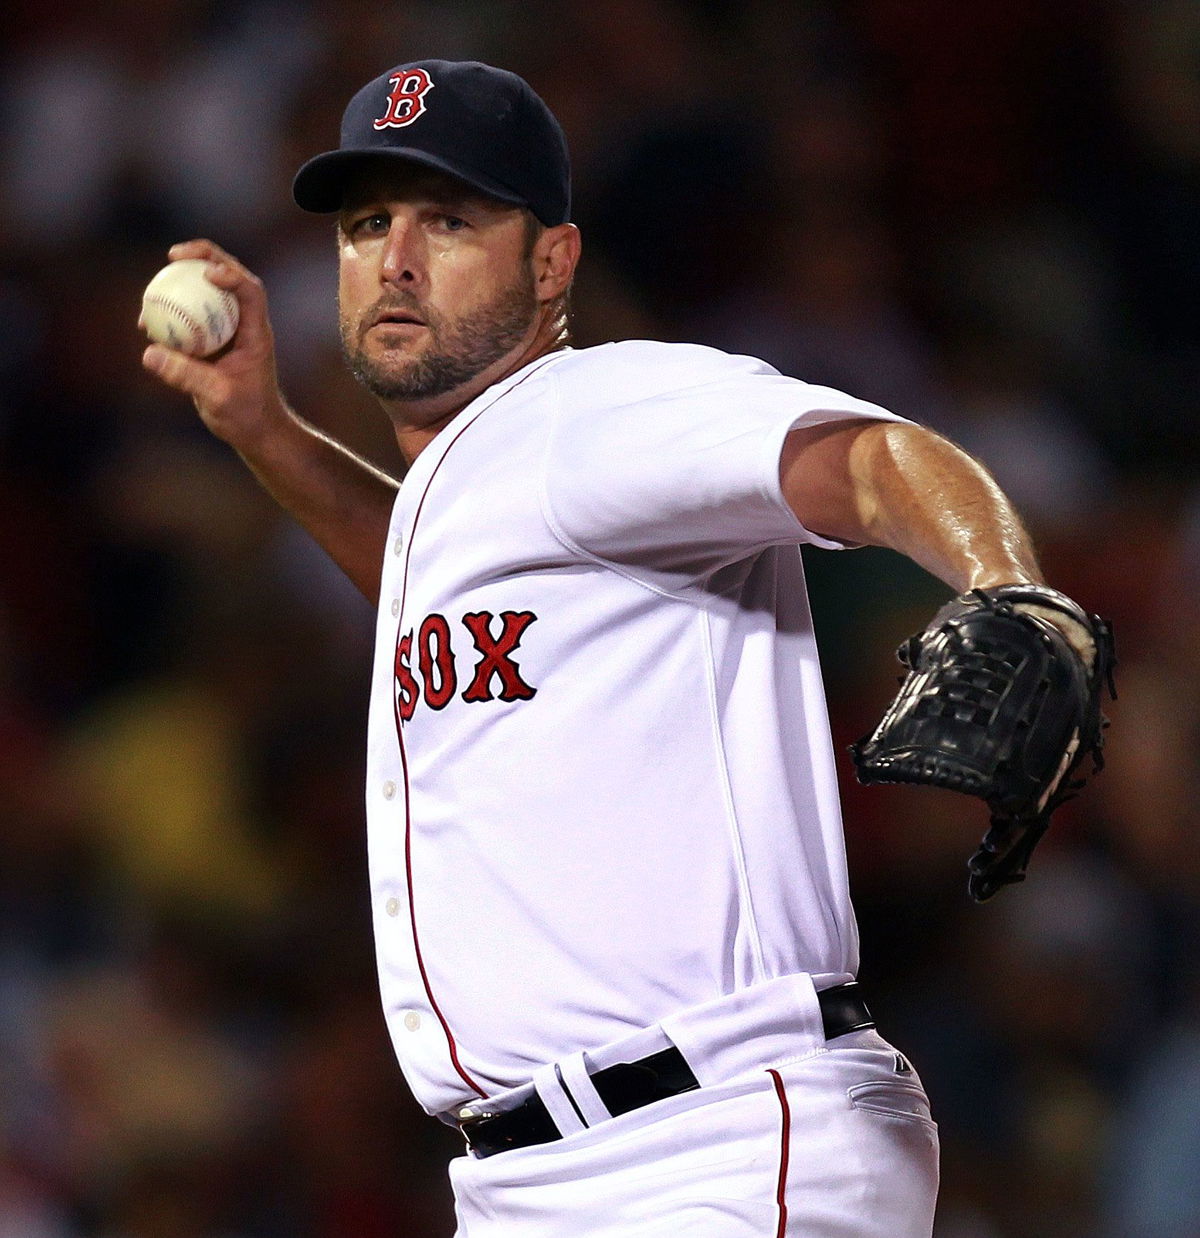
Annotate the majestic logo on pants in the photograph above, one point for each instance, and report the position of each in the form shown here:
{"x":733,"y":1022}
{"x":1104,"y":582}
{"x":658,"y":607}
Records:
{"x":407,"y":100}
{"x":429,"y":671}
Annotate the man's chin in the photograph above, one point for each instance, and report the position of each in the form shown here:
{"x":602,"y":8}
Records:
{"x":391,"y":386}
{"x":410,"y":380}
{"x":394,"y":350}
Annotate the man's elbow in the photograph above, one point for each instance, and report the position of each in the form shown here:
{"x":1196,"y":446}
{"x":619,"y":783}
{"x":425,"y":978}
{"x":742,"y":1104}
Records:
{"x":827,"y":477}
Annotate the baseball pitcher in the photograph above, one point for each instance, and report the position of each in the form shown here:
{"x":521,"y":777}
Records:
{"x":615,"y":942}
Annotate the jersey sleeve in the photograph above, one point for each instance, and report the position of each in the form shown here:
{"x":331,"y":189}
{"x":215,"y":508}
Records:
{"x":684,"y":478}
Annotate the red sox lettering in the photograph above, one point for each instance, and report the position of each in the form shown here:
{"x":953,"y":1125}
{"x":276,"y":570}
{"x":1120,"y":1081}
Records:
{"x":435,"y":677}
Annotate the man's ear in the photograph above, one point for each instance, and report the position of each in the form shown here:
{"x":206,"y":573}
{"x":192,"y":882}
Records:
{"x":555,"y":257}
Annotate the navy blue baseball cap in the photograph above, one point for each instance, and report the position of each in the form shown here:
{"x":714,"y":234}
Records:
{"x":485,"y":126}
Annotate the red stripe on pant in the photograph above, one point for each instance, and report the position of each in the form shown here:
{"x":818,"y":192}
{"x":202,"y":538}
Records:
{"x":785,"y":1135}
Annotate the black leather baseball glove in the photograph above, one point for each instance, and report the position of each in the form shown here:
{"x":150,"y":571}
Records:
{"x":998,"y":703}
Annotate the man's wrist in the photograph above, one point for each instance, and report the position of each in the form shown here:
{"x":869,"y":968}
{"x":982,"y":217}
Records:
{"x":994,"y":578}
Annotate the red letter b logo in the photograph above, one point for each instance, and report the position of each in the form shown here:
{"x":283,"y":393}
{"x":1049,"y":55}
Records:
{"x":407,"y":100}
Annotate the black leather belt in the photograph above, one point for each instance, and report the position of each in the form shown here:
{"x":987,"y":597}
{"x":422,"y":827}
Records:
{"x":630,"y":1085}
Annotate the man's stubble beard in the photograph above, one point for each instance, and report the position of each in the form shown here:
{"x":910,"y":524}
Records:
{"x":460,"y":351}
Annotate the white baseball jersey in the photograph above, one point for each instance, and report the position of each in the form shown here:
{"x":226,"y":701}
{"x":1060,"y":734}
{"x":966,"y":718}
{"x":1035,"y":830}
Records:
{"x":601,"y":786}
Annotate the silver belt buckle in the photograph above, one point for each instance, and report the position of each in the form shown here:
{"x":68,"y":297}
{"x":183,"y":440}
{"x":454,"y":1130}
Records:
{"x":469,"y":1115}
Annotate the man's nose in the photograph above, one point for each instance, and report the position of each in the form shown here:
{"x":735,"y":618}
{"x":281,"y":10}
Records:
{"x":403,"y":252}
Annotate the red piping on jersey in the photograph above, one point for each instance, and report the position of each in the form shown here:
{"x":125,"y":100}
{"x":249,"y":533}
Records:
{"x":451,"y":1044}
{"x":784,"y":1149}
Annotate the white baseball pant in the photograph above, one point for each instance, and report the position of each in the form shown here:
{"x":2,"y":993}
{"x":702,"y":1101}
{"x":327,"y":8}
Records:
{"x":833,"y":1141}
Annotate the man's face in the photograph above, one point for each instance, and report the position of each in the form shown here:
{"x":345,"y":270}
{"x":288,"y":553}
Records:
{"x":435,"y":283}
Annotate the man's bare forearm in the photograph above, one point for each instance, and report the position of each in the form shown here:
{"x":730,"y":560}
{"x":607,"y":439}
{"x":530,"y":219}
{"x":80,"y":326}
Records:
{"x":930,"y":500}
{"x":897,"y":485}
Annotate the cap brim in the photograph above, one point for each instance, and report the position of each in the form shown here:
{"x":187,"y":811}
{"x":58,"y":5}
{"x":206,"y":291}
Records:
{"x":320,"y":185}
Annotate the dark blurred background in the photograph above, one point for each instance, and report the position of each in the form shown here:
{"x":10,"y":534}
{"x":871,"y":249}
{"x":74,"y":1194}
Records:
{"x":984,"y":214}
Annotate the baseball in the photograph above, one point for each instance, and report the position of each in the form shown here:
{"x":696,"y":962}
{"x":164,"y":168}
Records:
{"x":184,"y":311}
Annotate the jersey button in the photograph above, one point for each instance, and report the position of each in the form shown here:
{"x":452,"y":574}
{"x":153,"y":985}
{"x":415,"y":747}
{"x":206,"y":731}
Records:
{"x":392,"y":906}
{"x":397,"y":545}
{"x":412,"y":1020}
{"x":395,"y":607}
{"x":389,"y":789}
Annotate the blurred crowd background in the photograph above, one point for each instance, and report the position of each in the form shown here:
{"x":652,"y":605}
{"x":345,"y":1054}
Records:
{"x":984,"y":214}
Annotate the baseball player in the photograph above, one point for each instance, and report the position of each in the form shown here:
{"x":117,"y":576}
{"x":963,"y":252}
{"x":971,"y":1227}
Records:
{"x":614,"y":937}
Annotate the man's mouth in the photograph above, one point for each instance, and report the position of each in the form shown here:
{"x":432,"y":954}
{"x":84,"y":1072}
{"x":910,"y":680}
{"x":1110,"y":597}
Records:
{"x":399,"y":317}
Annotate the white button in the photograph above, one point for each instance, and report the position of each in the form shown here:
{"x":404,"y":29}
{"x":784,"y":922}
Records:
{"x":412,"y":1020}
{"x":392,"y":906}
{"x":397,"y":545}
{"x":395,"y":607}
{"x":389,"y":789}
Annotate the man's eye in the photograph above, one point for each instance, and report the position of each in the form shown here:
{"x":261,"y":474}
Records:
{"x":369,"y":225}
{"x":454,"y":223}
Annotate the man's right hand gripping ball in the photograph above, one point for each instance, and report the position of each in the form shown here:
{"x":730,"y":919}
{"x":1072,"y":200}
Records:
{"x":998,"y":703}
